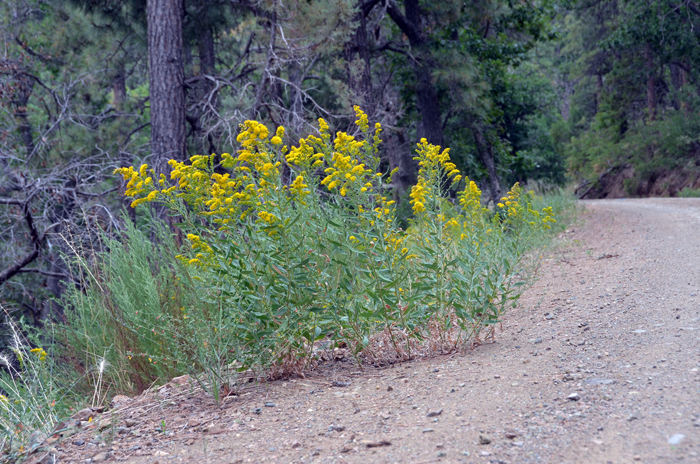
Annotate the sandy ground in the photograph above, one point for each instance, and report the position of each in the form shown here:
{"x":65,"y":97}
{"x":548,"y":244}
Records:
{"x":598,"y":364}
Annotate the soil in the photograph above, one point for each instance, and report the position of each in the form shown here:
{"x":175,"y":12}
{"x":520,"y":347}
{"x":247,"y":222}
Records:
{"x":599,"y":363}
{"x":623,"y":181}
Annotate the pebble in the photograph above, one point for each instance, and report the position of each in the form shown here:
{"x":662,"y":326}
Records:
{"x":676,"y":439}
{"x":484,"y":440}
{"x":100,"y":457}
{"x":336,"y":428}
{"x":296,"y":444}
{"x":269,"y":405}
{"x":435,"y":413}
{"x":257,"y":411}
{"x":574,"y":397}
{"x":632,"y":417}
{"x":132,"y":422}
{"x":511,"y":434}
{"x":389,"y":388}
{"x":84,"y":414}
{"x":428,"y":430}
{"x":79,"y":442}
{"x":441,"y":454}
{"x":191,"y":423}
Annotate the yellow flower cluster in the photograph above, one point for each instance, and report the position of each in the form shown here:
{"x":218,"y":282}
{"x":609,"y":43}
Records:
{"x":40,"y":353}
{"x":418,"y":195}
{"x":139,"y":182}
{"x":298,"y":188}
{"x":510,"y":202}
{"x":346,"y":169}
{"x":430,"y":159}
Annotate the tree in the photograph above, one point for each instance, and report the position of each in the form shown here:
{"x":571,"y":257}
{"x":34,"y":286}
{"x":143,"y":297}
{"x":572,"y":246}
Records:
{"x":166,"y":78}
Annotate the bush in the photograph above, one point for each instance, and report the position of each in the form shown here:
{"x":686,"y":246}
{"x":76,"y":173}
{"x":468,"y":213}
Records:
{"x":319,"y":257}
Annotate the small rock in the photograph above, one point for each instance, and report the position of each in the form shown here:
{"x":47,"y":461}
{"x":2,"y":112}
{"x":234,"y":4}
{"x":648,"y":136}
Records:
{"x":269,"y":405}
{"x":104,"y":424}
{"x":462,"y":384}
{"x":193,"y":423}
{"x":465,"y":453}
{"x":336,"y":428}
{"x":637,"y":457}
{"x":296,"y":444}
{"x":121,"y":430}
{"x":316,"y":452}
{"x":84,"y":414}
{"x":440,"y":445}
{"x":340,"y":383}
{"x":428,"y":430}
{"x":484,"y":440}
{"x":214,"y":430}
{"x":632,"y":417}
{"x":484,"y":453}
{"x":257,"y":411}
{"x":441,"y":454}
{"x":436,"y":370}
{"x":519,"y":444}
{"x":389,"y":388}
{"x":676,"y":439}
{"x":79,"y":442}
{"x":132,"y":422}
{"x":182,"y":380}
{"x":511,"y":434}
{"x":573,"y":397}
{"x":435,"y":413}
{"x":101,"y":457}
{"x":414,"y":406}
{"x":190,"y":442}
{"x":118,"y":401}
{"x":549,"y":316}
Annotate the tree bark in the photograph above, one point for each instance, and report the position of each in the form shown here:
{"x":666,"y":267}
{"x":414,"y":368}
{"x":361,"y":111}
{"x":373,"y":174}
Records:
{"x":166,"y":80}
{"x":360,"y":80}
{"x":430,"y":126}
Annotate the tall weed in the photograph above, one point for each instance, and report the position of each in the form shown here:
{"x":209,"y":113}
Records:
{"x":297,"y":246}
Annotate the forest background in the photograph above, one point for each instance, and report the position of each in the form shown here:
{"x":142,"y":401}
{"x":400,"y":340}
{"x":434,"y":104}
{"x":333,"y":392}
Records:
{"x":601,"y":94}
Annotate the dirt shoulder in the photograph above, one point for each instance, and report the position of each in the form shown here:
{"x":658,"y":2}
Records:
{"x":598,"y":364}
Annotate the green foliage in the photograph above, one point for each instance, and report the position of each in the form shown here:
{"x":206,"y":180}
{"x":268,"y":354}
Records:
{"x":133,"y":311}
{"x":322,"y":259}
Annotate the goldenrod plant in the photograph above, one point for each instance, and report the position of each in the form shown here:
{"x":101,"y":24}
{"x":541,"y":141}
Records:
{"x":294,"y":245}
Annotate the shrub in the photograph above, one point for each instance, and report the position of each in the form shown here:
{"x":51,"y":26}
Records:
{"x":299,"y":245}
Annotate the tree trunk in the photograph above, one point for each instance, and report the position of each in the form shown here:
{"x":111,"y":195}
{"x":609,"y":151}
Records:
{"x":166,"y":80}
{"x":485,"y":152}
{"x":430,"y":125}
{"x":651,"y":89}
{"x":359,"y":70}
{"x":119,"y":87}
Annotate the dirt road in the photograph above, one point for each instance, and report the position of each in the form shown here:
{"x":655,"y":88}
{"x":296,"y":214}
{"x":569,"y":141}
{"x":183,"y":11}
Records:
{"x":599,"y":364}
